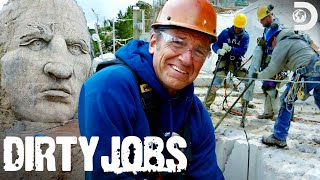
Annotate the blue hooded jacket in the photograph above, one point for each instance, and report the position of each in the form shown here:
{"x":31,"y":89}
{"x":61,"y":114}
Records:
{"x":110,"y":105}
{"x":269,"y":45}
{"x":239,"y":46}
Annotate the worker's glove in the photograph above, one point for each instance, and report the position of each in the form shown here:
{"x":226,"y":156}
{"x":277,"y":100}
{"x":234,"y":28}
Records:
{"x":281,"y":75}
{"x":221,"y":52}
{"x":261,"y":41}
{"x":226,"y":47}
{"x":255,"y":75}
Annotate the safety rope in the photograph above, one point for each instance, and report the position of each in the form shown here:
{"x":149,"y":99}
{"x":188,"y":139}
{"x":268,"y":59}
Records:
{"x":237,"y":113}
{"x":305,"y":120}
{"x":232,"y":111}
{"x":295,"y":82}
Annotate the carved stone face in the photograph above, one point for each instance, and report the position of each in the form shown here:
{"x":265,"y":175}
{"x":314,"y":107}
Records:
{"x":47,"y":62}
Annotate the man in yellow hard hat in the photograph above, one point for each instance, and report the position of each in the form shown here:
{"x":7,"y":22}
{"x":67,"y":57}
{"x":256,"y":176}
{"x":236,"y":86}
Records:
{"x":265,"y":15}
{"x":231,"y":46}
{"x":149,"y":91}
{"x":271,"y":104}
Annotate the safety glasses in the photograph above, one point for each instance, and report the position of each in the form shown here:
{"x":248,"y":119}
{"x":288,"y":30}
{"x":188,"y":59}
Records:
{"x":181,"y":46}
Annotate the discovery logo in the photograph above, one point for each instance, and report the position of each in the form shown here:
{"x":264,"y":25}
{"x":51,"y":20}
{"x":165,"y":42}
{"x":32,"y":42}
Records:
{"x":300,"y":16}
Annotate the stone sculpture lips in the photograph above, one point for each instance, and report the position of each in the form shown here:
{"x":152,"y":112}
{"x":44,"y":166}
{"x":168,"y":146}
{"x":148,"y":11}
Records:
{"x":56,"y":93}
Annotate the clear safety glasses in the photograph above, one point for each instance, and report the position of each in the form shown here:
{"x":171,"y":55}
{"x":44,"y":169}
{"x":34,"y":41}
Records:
{"x":181,"y":46}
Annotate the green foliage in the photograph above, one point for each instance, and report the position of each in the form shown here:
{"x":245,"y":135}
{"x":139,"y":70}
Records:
{"x":124,"y":25}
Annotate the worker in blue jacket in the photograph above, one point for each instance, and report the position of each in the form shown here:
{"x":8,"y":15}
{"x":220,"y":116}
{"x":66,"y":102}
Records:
{"x":231,"y":46}
{"x":111,"y":102}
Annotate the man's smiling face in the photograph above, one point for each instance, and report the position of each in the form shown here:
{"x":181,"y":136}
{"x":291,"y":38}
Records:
{"x":178,"y":55}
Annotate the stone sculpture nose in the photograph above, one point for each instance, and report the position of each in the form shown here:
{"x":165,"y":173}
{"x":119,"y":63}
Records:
{"x":58,"y":70}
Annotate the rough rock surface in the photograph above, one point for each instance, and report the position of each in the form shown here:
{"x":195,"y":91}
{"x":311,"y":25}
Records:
{"x":77,"y":161}
{"x":299,"y":160}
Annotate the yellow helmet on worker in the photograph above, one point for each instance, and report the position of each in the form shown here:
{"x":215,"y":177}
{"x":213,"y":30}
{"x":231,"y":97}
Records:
{"x":264,"y":11}
{"x":240,"y":20}
{"x":202,"y":16}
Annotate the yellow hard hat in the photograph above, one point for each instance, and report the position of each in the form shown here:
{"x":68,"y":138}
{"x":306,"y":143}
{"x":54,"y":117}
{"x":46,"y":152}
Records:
{"x":264,"y":11}
{"x":202,"y":16}
{"x":240,"y":20}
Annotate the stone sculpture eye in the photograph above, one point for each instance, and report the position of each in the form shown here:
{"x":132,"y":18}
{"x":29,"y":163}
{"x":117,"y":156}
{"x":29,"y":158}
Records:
{"x":76,"y":49}
{"x":35,"y":44}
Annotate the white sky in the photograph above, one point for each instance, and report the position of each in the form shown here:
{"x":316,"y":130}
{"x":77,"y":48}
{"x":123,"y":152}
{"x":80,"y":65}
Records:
{"x":107,"y":9}
{"x":2,"y":2}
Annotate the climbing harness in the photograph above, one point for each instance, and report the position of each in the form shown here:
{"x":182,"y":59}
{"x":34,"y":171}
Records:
{"x":292,"y":93}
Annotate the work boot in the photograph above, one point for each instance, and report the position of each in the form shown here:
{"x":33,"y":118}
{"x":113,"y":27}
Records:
{"x":271,"y":141}
{"x":266,"y":116}
{"x":251,"y":106}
